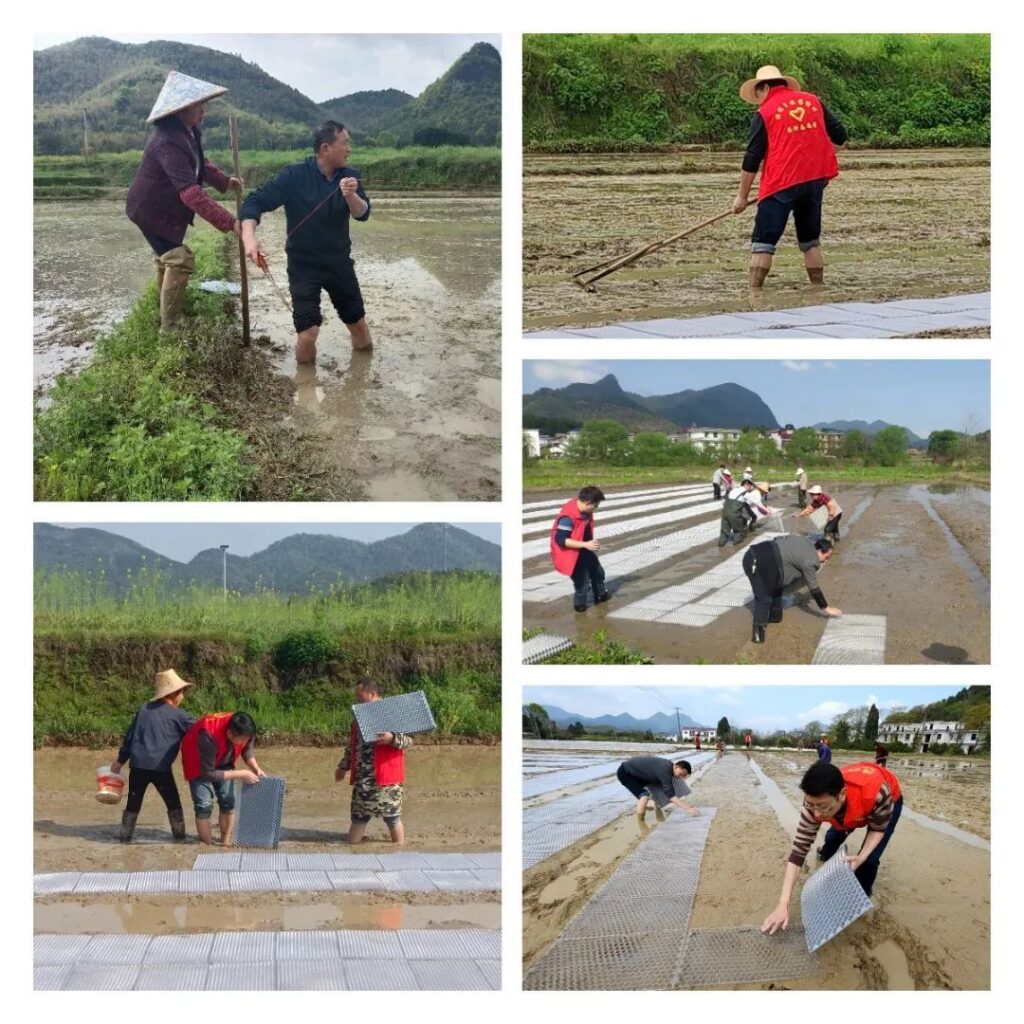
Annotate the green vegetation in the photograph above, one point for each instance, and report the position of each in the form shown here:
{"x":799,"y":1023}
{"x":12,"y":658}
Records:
{"x":155,"y":417}
{"x":537,"y":724}
{"x":971,"y":705}
{"x":589,"y":92}
{"x":598,"y":650}
{"x":289,"y":661}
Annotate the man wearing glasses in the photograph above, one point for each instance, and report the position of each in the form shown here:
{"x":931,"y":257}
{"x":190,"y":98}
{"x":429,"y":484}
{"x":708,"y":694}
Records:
{"x":854,"y":796}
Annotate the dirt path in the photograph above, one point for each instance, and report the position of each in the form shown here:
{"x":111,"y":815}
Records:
{"x":894,"y":561}
{"x":896,"y":224}
{"x":452,"y":803}
{"x":420,"y":419}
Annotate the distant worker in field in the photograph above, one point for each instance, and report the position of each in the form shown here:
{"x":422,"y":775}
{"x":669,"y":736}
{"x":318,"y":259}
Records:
{"x":321,"y":195}
{"x":376,"y":773}
{"x":746,"y":741}
{"x":208,"y":755}
{"x":718,"y":479}
{"x":858,"y":795}
{"x":696,"y":742}
{"x":824,"y":750}
{"x":881,"y":754}
{"x":167,"y":191}
{"x":792,"y":139}
{"x":773,"y":565}
{"x":819,"y":499}
{"x":719,"y":748}
{"x":655,"y":775}
{"x":801,"y":487}
{"x":574,"y":549}
{"x":151,"y":746}
{"x":748,"y":473}
{"x":738,"y":514}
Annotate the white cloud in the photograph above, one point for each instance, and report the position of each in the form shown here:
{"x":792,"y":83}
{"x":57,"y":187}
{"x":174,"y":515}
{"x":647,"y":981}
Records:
{"x":823,"y":712}
{"x":569,"y":371}
{"x":791,"y":364}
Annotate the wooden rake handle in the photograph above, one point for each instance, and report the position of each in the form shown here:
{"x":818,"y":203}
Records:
{"x":243,"y":271}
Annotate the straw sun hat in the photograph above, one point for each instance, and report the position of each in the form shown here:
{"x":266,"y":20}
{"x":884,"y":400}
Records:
{"x":764,"y":74}
{"x":816,"y":489}
{"x":166,"y":683}
{"x":181,"y":91}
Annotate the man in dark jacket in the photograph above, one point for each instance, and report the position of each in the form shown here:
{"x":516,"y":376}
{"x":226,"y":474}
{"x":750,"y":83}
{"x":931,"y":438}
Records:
{"x":773,"y":565}
{"x":320,"y":196}
{"x":655,"y":777}
{"x":167,"y":191}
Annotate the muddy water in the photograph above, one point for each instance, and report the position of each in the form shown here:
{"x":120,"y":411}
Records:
{"x":420,"y":418}
{"x":967,"y":513}
{"x":89,"y":263}
{"x":452,"y":803}
{"x":895,"y":225}
{"x":895,"y":559}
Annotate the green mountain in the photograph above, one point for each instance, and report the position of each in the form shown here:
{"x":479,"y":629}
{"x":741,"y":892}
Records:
{"x":106,"y":89}
{"x":366,"y":113}
{"x":295,"y":565}
{"x":724,"y":405}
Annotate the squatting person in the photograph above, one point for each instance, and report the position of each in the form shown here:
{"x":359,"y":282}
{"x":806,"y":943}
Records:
{"x":737,"y":512}
{"x":208,"y":755}
{"x":792,"y":139}
{"x":376,"y":773}
{"x":574,"y":548}
{"x":773,"y":565}
{"x":320,"y":196}
{"x":819,"y":499}
{"x":150,"y":746}
{"x":647,"y":777}
{"x":167,"y":191}
{"x":855,"y":796}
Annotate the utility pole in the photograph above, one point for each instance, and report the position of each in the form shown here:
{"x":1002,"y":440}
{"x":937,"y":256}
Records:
{"x":679,"y":728}
{"x":224,"y":552}
{"x":85,"y":130}
{"x":445,"y":557}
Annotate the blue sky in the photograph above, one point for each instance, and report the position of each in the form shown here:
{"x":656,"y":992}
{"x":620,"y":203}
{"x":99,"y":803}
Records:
{"x":181,"y":541}
{"x":923,"y":395}
{"x":323,"y":66}
{"x":756,"y":707}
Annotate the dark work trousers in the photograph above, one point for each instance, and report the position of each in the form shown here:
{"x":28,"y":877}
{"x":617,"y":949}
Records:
{"x":761,"y":564}
{"x":588,"y":570}
{"x":139,"y":780}
{"x":832,"y":528}
{"x":718,"y":491}
{"x":801,"y":497}
{"x":735,"y":521}
{"x":834,"y":838}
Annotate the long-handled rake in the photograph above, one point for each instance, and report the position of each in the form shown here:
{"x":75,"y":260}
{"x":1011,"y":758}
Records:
{"x":618,"y":262}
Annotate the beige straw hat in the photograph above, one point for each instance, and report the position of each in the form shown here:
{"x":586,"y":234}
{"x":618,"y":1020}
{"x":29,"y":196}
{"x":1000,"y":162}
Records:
{"x":166,"y":683}
{"x":763,"y":486}
{"x":816,"y":489}
{"x":181,"y":91}
{"x":764,"y":74}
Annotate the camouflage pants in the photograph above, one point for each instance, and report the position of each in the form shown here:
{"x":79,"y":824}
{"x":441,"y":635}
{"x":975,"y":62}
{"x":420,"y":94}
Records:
{"x":372,"y":801}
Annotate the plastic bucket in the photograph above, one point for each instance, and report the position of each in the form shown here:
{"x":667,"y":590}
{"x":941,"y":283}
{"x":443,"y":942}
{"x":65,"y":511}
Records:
{"x":109,"y":785}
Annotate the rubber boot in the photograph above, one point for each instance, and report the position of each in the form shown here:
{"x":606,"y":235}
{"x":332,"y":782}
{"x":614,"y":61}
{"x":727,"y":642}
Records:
{"x":178,"y":265}
{"x":159,"y":275}
{"x":760,"y":264}
{"x":758,"y":634}
{"x":177,"y":820}
{"x":775,"y":615}
{"x":579,"y":601}
{"x":600,"y":596}
{"x":128,"y":820}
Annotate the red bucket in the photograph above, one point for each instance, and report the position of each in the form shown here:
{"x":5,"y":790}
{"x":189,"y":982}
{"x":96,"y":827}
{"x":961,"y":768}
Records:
{"x":109,"y":785}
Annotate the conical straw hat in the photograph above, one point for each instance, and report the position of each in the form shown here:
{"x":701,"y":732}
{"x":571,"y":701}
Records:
{"x":765,"y":74}
{"x":181,"y":91}
{"x":166,"y":683}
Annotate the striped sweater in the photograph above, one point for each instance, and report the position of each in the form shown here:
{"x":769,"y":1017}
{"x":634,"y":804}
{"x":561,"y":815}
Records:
{"x":807,"y":829}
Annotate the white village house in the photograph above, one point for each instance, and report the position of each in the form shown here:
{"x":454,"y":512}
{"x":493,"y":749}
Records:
{"x":921,"y":735}
{"x":690,"y":734}
{"x":703,"y":438}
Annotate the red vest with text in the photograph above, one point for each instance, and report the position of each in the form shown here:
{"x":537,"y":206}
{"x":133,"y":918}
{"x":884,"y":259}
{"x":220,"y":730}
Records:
{"x":217,"y":726}
{"x":564,"y":559}
{"x":388,"y":762}
{"x":799,"y":148}
{"x":863,"y":780}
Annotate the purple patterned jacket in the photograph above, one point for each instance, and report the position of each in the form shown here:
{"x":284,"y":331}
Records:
{"x":168,"y":188}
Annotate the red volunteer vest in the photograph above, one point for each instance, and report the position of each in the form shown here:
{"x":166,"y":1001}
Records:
{"x":388,"y":762}
{"x":564,"y":559}
{"x":863,"y":780}
{"x":799,"y":148}
{"x":217,"y":726}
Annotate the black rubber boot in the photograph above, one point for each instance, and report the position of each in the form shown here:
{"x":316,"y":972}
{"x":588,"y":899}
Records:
{"x":127,"y":826}
{"x":601,"y":596}
{"x":177,"y":820}
{"x":579,"y":602}
{"x":775,"y":616}
{"x":758,"y":634}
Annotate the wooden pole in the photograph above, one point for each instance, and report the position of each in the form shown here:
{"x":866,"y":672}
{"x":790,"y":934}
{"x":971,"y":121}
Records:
{"x":242,"y":269}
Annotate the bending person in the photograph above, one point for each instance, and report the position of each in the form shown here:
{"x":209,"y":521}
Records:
{"x":167,"y":191}
{"x":819,"y":499}
{"x":653,"y":777}
{"x":859,"y":795}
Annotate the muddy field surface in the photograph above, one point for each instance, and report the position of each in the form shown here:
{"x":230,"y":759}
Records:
{"x":419,"y":419}
{"x":897,"y":558}
{"x":929,"y":929}
{"x":452,"y":804}
{"x":896,"y":224}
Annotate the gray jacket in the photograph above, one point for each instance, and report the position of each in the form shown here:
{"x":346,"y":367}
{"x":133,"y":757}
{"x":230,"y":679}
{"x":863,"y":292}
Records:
{"x":798,"y":558}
